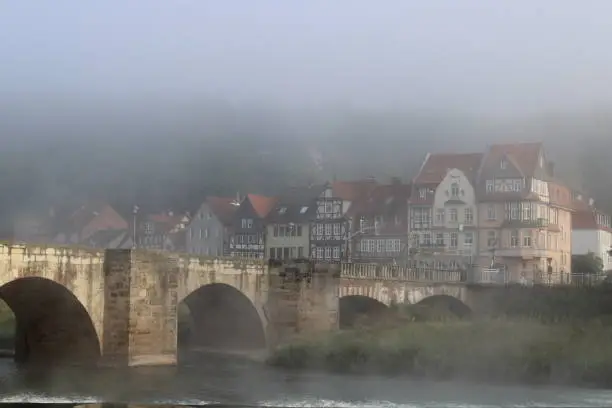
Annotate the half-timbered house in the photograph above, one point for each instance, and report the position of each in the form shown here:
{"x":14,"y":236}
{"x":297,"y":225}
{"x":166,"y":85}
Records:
{"x":328,"y":229}
{"x":247,"y":238}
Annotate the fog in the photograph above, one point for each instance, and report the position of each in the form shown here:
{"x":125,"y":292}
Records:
{"x":161,"y":103}
{"x":474,"y":55}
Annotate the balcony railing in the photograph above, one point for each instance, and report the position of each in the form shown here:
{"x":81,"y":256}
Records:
{"x":403,"y":273}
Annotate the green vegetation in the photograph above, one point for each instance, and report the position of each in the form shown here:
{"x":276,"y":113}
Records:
{"x":422,"y":343}
{"x":499,"y":350}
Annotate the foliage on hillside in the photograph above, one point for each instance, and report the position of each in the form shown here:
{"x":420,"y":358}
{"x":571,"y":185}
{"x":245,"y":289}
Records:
{"x":172,"y":156}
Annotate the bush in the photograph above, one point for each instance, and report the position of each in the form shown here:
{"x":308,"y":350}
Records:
{"x":498,"y":350}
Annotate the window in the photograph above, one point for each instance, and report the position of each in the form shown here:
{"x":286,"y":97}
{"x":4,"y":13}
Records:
{"x":518,"y":185}
{"x":380,"y":247}
{"x":439,"y":239}
{"x":526,"y":211}
{"x":275,"y":230}
{"x":468,"y":239}
{"x":273,"y":253}
{"x":514,"y":238}
{"x":300,"y":252}
{"x":427,"y":239}
{"x":319,"y":252}
{"x":286,"y":253}
{"x":440,"y":216}
{"x":491,"y":239}
{"x":244,"y":223}
{"x":328,"y":252}
{"x":249,"y":223}
{"x":337,"y":229}
{"x":303,"y":210}
{"x":453,"y":239}
{"x":489,"y":186}
{"x":469,"y":216}
{"x":148,"y":228}
{"x":299,"y":231}
{"x":455,"y":190}
{"x":491,"y":212}
{"x":422,"y":193}
{"x":336,"y":253}
{"x":328,"y":229}
{"x":282,"y":210}
{"x":527,"y":239}
{"x":514,"y":211}
{"x":329,"y":208}
{"x":453,"y":215}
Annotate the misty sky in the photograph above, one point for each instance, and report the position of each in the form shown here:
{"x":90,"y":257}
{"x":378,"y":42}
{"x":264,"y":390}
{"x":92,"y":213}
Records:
{"x":478,"y":55}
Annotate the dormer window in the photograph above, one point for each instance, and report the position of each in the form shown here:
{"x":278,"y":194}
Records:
{"x":422,"y":193}
{"x":303,"y":210}
{"x":282,"y":210}
{"x":503,"y":164}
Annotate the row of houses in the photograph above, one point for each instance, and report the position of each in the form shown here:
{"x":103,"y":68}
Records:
{"x":504,"y":207}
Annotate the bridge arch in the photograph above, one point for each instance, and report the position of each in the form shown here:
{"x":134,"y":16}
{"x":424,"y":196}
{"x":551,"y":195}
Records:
{"x":353,"y":308}
{"x":219,"y":316}
{"x":51,"y":325}
{"x":444,"y":304}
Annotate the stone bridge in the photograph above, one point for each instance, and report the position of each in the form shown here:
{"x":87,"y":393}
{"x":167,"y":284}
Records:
{"x":122,"y":307}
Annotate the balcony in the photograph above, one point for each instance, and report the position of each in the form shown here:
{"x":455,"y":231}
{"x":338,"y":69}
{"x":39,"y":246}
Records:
{"x":524,"y":253}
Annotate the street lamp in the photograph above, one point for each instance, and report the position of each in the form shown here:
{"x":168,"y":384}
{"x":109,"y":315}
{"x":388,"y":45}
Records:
{"x":135,"y":212}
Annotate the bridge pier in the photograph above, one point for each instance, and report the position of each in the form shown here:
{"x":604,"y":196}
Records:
{"x":140,"y":309}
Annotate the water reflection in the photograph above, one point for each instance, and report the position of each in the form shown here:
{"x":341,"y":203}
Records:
{"x":232,"y":381}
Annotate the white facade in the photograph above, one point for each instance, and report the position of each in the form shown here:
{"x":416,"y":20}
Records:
{"x":455,"y":214}
{"x":598,"y":241}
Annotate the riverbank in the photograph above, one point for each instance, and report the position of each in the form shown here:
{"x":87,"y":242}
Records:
{"x":504,"y":351}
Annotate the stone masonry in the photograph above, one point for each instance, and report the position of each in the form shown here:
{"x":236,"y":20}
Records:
{"x":119,"y":307}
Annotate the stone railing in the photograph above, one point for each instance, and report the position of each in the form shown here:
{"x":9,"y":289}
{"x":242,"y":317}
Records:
{"x":394,"y":272}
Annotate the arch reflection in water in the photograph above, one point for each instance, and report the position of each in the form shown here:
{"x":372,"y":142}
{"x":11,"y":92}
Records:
{"x":51,"y":325}
{"x":219,"y":317}
{"x":356,"y":309}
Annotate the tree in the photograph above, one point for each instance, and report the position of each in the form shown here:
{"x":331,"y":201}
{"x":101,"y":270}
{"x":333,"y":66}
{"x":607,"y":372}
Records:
{"x":587,"y":264}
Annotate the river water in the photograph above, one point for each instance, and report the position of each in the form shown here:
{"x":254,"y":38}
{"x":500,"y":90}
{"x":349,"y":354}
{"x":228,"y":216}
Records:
{"x":218,"y":379}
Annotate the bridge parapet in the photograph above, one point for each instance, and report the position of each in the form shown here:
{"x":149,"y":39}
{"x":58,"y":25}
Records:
{"x":400,"y":273}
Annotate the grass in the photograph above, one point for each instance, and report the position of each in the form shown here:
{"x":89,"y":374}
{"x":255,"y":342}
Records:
{"x":519,"y":351}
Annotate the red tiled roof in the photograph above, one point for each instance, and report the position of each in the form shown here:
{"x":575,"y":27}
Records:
{"x":262,"y":204}
{"x":375,"y":202}
{"x":524,"y":156}
{"x":436,"y":166}
{"x":352,"y":190}
{"x":587,"y":220}
{"x":223,"y":208}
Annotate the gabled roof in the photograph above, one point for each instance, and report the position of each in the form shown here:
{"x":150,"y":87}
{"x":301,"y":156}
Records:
{"x":436,"y":166}
{"x":223,"y":208}
{"x":524,"y":156}
{"x":352,"y":190}
{"x":86,"y":213}
{"x":382,"y":199}
{"x":262,"y":205}
{"x":296,"y":205}
{"x":587,"y":219}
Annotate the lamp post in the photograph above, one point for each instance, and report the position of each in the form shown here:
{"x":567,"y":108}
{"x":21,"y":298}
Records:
{"x":135,"y":213}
